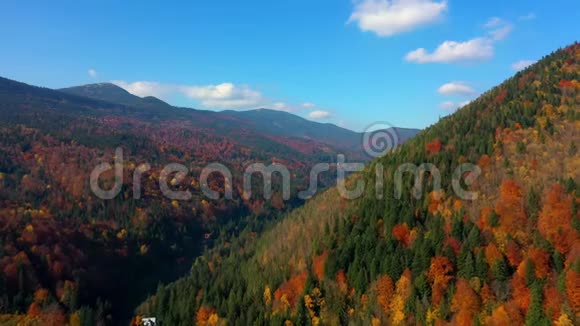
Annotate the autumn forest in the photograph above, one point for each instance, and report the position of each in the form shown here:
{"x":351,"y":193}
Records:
{"x":427,"y":257}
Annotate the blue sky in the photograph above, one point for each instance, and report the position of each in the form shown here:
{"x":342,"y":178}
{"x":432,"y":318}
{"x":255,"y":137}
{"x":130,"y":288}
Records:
{"x":349,"y":63}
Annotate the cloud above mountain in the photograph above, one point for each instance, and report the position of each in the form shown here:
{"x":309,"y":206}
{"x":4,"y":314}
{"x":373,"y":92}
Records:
{"x":390,"y":17}
{"x":456,"y":88}
{"x":224,"y":96}
{"x":476,"y":49}
{"x":220,"y":96}
{"x":319,"y":114}
{"x":522,"y":64}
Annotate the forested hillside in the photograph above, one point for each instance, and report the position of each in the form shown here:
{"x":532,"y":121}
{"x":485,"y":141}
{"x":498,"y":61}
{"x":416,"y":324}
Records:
{"x":67,"y":255}
{"x":509,"y":257}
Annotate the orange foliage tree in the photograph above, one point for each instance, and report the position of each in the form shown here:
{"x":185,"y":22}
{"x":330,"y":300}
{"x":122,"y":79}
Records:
{"x":552,"y":302}
{"x":510,"y":207}
{"x":520,"y":292}
{"x":401,"y":233}
{"x":385,"y":291}
{"x":439,"y":274}
{"x":286,"y":296}
{"x":465,"y":303}
{"x":318,"y":265}
{"x":573,"y":288}
{"x":342,"y":281}
{"x":555,"y":219}
{"x":492,"y":254}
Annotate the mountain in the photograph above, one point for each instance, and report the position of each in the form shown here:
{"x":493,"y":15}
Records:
{"x":492,"y":237}
{"x":270,"y":122}
{"x":289,"y":125}
{"x":59,"y":237}
{"x":67,"y":253}
{"x":112,"y":93}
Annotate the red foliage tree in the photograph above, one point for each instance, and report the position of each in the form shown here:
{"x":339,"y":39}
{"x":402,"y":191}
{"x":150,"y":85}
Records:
{"x":433,"y":147}
{"x":513,"y":253}
{"x":401,"y":233}
{"x":541,"y":260}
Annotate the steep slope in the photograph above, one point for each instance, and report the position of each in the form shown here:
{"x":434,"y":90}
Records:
{"x":429,"y":256}
{"x":63,"y":248}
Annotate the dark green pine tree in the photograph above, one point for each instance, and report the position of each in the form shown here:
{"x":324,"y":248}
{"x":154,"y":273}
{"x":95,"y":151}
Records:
{"x":500,"y":270}
{"x":535,"y":315}
{"x":465,"y":263}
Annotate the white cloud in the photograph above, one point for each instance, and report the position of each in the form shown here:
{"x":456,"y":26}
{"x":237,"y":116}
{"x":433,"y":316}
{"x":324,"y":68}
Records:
{"x":92,"y":73}
{"x":318,"y":114}
{"x":476,"y":49}
{"x":522,"y":64}
{"x":280,"y":106}
{"x":390,"y":17}
{"x":450,"y":106}
{"x":224,"y":96}
{"x":145,"y":88}
{"x":220,"y":96}
{"x":529,"y":16}
{"x":450,"y":51}
{"x":456,"y":88}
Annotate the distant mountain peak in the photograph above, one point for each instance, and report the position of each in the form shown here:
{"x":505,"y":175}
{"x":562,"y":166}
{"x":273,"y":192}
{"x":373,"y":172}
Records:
{"x":110,"y":92}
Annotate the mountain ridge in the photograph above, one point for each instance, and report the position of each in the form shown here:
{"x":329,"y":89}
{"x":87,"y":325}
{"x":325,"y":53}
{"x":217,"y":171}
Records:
{"x":279,"y":123}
